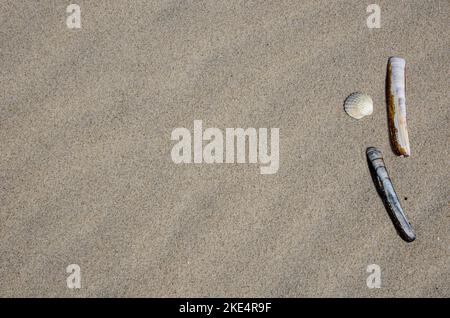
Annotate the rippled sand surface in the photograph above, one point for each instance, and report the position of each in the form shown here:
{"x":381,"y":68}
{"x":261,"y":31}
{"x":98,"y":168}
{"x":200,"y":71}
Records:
{"x":86,"y":175}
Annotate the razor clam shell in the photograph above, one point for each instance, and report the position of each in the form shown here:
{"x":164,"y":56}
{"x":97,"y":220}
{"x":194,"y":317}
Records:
{"x":396,"y":101}
{"x":386,"y":190}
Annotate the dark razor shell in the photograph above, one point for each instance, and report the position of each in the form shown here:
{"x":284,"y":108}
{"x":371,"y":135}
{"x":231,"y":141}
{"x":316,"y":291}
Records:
{"x":386,"y":190}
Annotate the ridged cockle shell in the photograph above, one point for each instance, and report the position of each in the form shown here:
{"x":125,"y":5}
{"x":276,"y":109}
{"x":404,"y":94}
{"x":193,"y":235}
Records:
{"x":358,"y":105}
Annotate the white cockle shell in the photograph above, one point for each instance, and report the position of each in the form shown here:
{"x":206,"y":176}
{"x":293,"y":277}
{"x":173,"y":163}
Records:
{"x":358,"y":105}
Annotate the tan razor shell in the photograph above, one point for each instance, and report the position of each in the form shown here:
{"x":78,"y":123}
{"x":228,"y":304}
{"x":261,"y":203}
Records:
{"x":396,"y":101}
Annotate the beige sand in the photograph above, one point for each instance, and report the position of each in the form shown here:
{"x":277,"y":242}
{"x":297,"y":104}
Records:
{"x":86,"y":175}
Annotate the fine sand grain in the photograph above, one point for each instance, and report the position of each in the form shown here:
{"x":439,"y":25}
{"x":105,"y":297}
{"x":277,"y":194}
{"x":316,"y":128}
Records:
{"x":86,"y":175}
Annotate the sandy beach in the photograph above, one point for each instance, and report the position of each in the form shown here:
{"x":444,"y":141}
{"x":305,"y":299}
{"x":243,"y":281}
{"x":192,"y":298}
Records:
{"x":86,"y":175}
